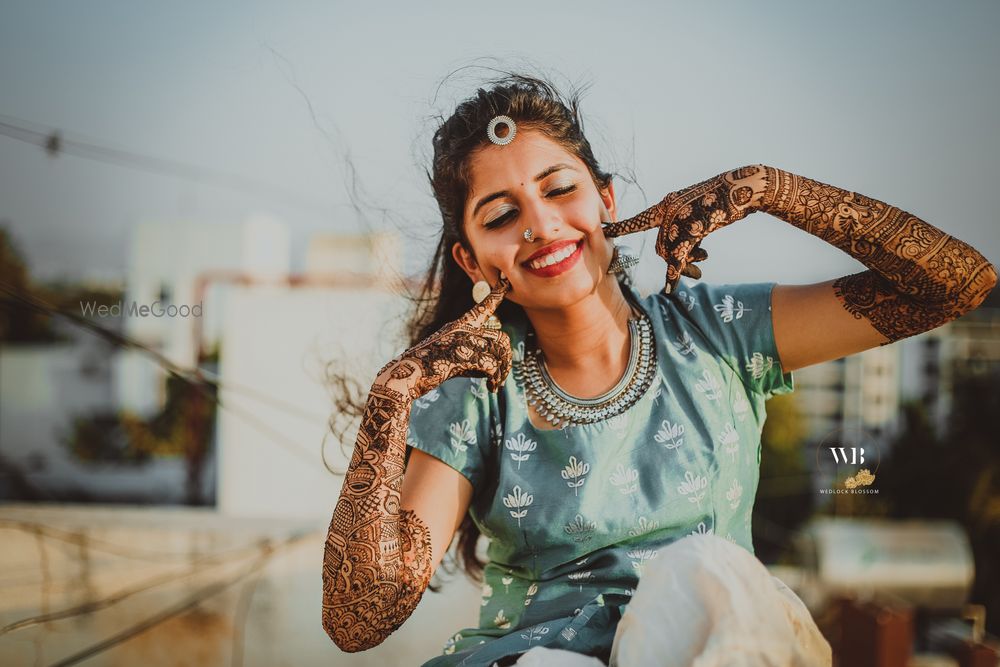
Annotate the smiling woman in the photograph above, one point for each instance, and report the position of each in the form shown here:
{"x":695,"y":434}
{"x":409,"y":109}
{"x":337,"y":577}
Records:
{"x":614,"y":434}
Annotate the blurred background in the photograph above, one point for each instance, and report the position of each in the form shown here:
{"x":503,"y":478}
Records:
{"x":205,"y":207}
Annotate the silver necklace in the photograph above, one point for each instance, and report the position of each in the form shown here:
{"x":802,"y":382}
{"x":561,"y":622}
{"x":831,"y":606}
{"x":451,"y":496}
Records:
{"x":561,"y":409}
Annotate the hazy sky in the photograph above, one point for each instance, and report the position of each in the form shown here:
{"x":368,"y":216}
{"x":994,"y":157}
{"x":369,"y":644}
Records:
{"x":897,"y":100}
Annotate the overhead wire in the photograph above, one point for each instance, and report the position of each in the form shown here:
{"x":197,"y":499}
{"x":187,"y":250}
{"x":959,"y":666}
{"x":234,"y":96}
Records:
{"x":197,"y":566}
{"x":189,"y":602}
{"x":54,"y":143}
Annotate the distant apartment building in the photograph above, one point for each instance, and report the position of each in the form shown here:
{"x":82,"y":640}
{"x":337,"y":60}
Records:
{"x":853,"y":396}
{"x":934,"y":359}
{"x":858,"y":397}
{"x":46,"y":387}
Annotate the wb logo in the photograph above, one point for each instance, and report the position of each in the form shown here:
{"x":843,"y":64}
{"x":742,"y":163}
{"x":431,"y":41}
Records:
{"x":857,"y":455}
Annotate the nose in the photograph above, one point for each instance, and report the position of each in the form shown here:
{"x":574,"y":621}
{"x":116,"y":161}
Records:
{"x":542,"y":219}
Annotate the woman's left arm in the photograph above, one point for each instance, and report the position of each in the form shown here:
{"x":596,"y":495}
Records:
{"x":918,"y":279}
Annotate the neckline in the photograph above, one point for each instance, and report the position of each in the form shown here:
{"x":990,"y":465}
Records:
{"x":520,"y":328}
{"x":630,"y":366}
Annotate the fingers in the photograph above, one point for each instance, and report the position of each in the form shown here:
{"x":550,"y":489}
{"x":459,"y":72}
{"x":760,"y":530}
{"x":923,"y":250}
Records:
{"x":504,"y":362}
{"x":691,"y":271}
{"x":673,"y":277}
{"x":482,"y":310}
{"x":650,"y":218}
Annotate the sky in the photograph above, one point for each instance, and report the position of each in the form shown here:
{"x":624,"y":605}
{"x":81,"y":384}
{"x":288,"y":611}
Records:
{"x":298,"y":101}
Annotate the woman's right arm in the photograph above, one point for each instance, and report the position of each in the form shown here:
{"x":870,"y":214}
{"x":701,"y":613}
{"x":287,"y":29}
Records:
{"x":439,"y":495}
{"x":379,"y":555}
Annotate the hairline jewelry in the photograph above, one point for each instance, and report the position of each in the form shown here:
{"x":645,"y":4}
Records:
{"x":491,"y":130}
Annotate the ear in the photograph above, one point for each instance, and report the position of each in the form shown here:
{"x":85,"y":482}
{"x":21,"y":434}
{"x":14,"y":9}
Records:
{"x":467,"y":262}
{"x":608,"y":197}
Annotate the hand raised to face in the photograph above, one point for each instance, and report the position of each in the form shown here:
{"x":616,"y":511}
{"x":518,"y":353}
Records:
{"x":685,"y":217}
{"x":463,"y":347}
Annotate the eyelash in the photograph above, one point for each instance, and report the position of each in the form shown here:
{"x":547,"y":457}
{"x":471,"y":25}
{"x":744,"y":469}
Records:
{"x":496,"y":222}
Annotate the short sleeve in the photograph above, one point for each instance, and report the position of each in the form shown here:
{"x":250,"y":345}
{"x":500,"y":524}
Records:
{"x":736,"y":320}
{"x":452,"y":423}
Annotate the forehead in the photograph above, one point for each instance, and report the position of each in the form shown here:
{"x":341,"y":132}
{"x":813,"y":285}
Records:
{"x":493,"y":168}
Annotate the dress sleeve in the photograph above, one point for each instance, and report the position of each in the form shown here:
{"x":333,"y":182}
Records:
{"x":736,"y":320}
{"x":452,"y":423}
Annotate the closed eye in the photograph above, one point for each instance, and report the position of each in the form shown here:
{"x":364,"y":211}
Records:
{"x":498,"y":221}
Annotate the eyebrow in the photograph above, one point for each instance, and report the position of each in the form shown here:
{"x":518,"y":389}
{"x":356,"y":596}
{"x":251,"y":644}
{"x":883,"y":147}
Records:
{"x":506,"y":193}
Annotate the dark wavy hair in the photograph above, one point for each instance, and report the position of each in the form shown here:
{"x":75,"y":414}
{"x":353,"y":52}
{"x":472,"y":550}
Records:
{"x":446,"y":290}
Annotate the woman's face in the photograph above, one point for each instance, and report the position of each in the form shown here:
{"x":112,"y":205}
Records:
{"x":535,"y":183}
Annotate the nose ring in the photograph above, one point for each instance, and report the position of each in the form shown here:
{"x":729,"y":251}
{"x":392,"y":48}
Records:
{"x":529,"y":235}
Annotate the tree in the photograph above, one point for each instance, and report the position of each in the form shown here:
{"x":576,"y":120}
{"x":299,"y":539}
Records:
{"x":956,"y":476}
{"x":19,"y":323}
{"x":784,"y":496}
{"x":184,"y":427}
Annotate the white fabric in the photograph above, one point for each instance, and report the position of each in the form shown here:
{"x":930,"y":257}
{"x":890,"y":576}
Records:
{"x":706,"y":602}
{"x":541,"y":656}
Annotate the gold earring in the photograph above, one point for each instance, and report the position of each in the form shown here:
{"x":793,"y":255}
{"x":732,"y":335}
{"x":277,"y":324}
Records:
{"x":480,"y":291}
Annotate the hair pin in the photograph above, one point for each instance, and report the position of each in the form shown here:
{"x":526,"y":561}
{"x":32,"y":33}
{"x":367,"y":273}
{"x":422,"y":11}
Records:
{"x":491,"y":130}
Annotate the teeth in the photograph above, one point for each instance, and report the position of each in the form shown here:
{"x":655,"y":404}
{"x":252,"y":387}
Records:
{"x":554,"y":258}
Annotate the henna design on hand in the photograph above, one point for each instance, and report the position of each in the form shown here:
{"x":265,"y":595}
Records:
{"x":919,"y":277}
{"x":377,"y":557}
{"x":464,"y":347}
{"x":685,"y":217}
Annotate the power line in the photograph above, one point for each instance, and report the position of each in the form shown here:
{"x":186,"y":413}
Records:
{"x":84,"y":540}
{"x":175,"y":610}
{"x":195,"y":567}
{"x":54,"y":143}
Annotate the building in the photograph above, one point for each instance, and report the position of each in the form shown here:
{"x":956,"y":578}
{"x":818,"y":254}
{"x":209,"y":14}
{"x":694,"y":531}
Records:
{"x":173,"y":264}
{"x":934,"y":359}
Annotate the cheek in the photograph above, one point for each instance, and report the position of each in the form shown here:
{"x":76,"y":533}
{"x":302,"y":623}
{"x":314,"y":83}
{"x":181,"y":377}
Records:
{"x":599,"y":245}
{"x":496,"y":255}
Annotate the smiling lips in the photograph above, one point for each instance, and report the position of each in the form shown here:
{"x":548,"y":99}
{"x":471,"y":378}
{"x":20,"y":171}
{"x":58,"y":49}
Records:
{"x":556,"y":259}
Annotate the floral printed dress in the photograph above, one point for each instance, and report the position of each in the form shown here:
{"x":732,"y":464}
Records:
{"x":574,"y":514}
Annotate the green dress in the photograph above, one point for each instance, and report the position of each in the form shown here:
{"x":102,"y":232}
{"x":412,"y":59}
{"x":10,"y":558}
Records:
{"x":572,"y":515}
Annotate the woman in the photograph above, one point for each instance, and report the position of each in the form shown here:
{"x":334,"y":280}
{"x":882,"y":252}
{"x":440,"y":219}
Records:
{"x":593,"y":435}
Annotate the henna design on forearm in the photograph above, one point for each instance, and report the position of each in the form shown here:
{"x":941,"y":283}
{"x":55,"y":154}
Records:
{"x":919,"y":277}
{"x":376,"y":563}
{"x":894,"y":315}
{"x":377,"y":557}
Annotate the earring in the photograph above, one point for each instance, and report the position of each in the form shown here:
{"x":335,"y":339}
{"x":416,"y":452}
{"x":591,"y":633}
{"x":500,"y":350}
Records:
{"x":529,"y":235}
{"x":480,"y":291}
{"x":622,"y":259}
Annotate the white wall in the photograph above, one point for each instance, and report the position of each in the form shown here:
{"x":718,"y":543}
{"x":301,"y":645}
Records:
{"x":174,"y":254}
{"x":277,"y":341}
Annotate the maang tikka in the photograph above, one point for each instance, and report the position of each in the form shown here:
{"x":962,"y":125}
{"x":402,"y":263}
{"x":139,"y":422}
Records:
{"x":491,"y":130}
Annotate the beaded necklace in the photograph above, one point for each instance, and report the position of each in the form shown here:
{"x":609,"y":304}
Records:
{"x":561,"y":409}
